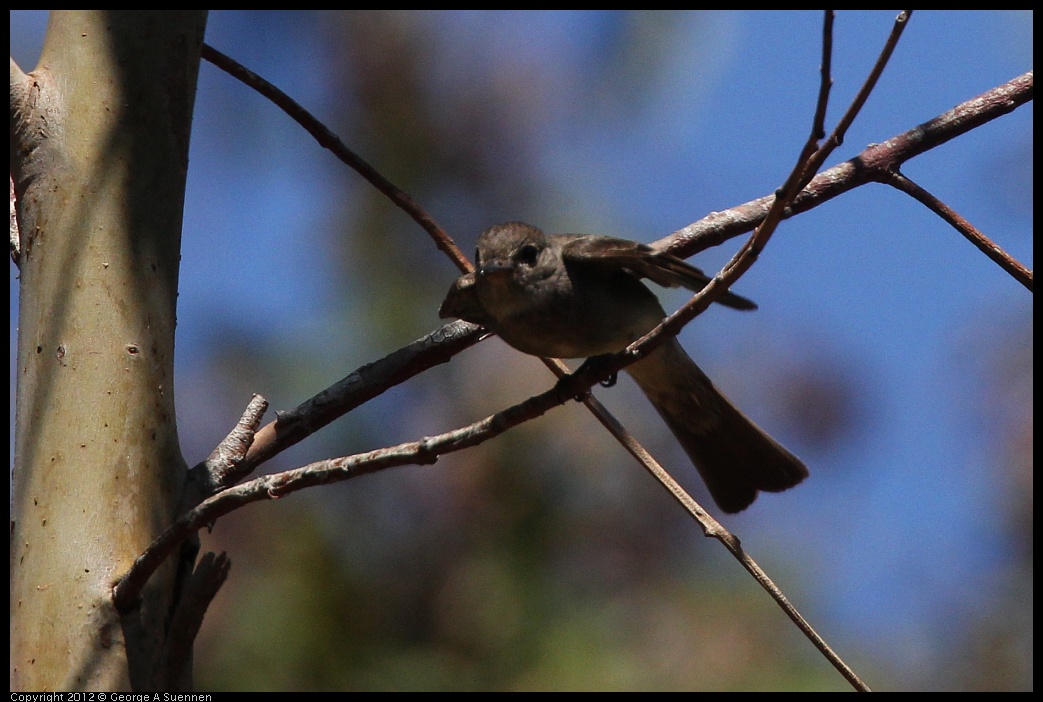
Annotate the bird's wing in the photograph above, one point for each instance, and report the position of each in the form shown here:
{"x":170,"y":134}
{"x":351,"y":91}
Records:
{"x":645,"y":262}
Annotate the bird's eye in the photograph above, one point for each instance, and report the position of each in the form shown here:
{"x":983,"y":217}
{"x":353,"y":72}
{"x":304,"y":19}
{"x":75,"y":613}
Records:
{"x":527,"y":255}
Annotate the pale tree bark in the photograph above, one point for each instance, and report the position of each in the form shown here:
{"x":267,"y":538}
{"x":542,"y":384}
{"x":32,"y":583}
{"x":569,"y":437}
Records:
{"x":99,"y":154}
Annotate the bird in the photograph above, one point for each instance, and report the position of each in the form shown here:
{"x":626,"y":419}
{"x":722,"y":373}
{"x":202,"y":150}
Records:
{"x":582,"y":295}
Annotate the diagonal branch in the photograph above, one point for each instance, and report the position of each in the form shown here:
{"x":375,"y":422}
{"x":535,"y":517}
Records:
{"x":331,"y":141}
{"x":984,"y":244}
{"x":871,"y":165}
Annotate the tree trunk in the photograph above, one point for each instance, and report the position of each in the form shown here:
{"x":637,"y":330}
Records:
{"x":99,"y":155}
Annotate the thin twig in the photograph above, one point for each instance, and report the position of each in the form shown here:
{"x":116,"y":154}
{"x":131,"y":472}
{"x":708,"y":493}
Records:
{"x":986,"y":245}
{"x":837,"y":137}
{"x":826,"y":76}
{"x":874,"y":164}
{"x":331,"y":141}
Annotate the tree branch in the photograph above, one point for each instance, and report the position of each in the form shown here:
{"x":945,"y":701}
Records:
{"x":872,"y":165}
{"x":331,"y":141}
{"x":984,"y":244}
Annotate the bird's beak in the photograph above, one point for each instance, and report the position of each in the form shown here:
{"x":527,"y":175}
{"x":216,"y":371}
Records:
{"x":493,"y":269}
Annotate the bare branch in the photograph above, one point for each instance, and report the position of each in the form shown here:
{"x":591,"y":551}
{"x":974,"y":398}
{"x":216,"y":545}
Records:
{"x":358,"y":387}
{"x":837,"y":137}
{"x":331,"y":141}
{"x":276,"y":485}
{"x":872,"y":165}
{"x":826,"y":72}
{"x":810,"y":158}
{"x":224,"y":466}
{"x":986,"y":245}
